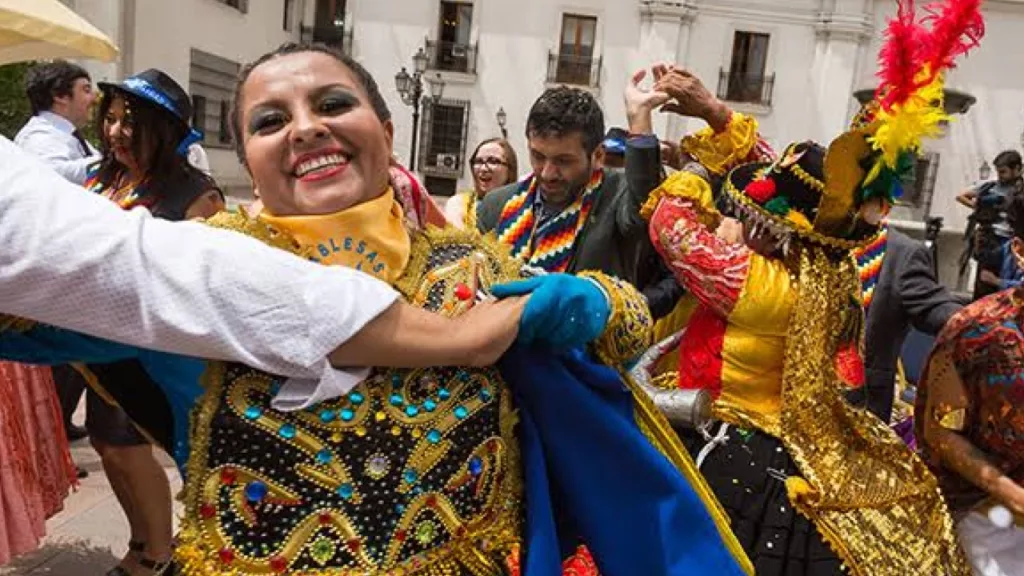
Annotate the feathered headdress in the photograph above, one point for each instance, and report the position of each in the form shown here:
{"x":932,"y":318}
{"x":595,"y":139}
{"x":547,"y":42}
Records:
{"x":819,"y":193}
{"x":908,"y":101}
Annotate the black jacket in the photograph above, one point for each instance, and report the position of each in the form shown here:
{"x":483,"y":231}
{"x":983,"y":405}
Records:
{"x":907,"y":294}
{"x":614,"y":238}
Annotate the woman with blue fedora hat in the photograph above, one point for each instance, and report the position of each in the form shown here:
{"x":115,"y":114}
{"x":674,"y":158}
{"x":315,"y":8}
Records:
{"x":145,"y":138}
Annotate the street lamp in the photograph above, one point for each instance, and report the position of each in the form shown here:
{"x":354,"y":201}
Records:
{"x":410,"y":88}
{"x":984,"y":171}
{"x":502,"y":119}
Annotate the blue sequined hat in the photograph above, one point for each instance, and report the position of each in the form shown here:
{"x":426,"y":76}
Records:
{"x":160,"y":89}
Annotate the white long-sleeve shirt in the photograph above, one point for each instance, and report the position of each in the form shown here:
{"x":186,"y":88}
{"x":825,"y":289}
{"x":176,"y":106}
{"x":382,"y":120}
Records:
{"x":50,"y":137}
{"x":78,"y":261}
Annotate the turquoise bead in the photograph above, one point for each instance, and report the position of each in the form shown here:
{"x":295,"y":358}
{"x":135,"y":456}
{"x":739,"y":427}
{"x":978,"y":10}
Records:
{"x":444,"y":394}
{"x":486,"y":395}
{"x":324,"y":456}
{"x":287,"y":431}
{"x":397,"y":400}
{"x":327,"y":416}
{"x":461,"y":412}
{"x":429,"y":405}
{"x":356,"y":398}
{"x":346,"y":491}
{"x":411,"y":410}
{"x":433,"y":436}
{"x":253,"y":412}
{"x":410,"y":476}
{"x":347,"y":414}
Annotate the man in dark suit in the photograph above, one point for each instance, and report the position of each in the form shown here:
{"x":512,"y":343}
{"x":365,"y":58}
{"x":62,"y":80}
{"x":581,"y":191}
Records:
{"x":907,"y":294}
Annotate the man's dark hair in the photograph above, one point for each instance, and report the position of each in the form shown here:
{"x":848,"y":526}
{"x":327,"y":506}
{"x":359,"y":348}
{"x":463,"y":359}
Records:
{"x":1008,"y":159}
{"x":363,"y":76}
{"x":44,"y":82}
{"x":563,"y":111}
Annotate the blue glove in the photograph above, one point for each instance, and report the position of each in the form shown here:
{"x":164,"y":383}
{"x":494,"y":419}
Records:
{"x":563,"y":312}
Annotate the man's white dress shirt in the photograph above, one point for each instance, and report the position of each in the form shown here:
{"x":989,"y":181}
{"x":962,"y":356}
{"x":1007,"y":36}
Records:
{"x":50,"y":137}
{"x":80,"y":262}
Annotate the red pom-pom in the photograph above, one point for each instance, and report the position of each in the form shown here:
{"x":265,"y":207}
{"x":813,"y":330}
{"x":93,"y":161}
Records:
{"x":850,"y":366}
{"x":761,"y":190}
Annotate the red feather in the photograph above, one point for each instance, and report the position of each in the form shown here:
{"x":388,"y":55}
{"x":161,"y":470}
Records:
{"x":900,"y":57}
{"x":956,"y":27}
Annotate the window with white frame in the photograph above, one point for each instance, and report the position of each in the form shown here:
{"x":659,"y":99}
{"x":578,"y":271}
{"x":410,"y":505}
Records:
{"x":575,"y":62}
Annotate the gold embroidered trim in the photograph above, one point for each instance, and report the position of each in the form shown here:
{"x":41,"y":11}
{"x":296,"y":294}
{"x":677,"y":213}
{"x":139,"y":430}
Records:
{"x":723,"y":151}
{"x":806,"y":178}
{"x":808,"y":234}
{"x":630,"y":327}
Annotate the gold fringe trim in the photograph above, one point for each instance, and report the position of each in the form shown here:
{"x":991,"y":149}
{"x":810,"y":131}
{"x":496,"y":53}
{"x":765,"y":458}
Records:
{"x":873,"y":500}
{"x":629,"y":331}
{"x":723,"y":151}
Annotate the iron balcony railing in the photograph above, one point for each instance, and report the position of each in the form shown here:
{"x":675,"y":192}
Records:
{"x":746,"y":88}
{"x":574,"y":69}
{"x":451,"y":56}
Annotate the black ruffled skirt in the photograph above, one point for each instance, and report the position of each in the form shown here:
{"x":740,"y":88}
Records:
{"x":747,"y":472}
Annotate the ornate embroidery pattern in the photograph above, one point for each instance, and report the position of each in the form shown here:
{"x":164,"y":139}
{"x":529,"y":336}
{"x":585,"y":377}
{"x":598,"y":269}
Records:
{"x":711,"y":269}
{"x":414,"y":471}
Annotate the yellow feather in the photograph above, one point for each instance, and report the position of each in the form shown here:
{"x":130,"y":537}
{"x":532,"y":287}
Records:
{"x":901,"y":128}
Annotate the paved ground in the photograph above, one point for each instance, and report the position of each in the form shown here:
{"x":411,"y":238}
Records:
{"x":91,"y":534}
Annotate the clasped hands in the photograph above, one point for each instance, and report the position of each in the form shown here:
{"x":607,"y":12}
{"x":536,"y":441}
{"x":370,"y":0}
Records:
{"x":675,"y":90}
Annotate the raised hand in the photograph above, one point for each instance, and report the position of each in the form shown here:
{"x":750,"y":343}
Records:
{"x":640,"y":103}
{"x":690,"y":97}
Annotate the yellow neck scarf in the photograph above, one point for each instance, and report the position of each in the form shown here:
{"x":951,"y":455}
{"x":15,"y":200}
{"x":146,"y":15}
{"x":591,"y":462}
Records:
{"x":369,"y":237}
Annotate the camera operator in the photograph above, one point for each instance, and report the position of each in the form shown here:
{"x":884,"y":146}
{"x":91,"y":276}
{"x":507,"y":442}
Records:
{"x":988,"y":229}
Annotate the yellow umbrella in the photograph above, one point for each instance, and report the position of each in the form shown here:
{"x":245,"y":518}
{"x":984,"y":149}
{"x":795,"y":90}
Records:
{"x":45,"y":29}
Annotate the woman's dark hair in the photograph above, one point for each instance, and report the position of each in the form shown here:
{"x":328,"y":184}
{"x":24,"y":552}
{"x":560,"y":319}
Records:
{"x":563,"y":111}
{"x":363,"y":76}
{"x":510,"y":157}
{"x":156,"y":134}
{"x":44,"y":82}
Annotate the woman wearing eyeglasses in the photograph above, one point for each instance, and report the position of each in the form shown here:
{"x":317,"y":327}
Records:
{"x":494,"y":165}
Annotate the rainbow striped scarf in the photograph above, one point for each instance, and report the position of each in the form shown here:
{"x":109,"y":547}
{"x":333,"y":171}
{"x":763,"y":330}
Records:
{"x":549,"y":246}
{"x":869,"y":262}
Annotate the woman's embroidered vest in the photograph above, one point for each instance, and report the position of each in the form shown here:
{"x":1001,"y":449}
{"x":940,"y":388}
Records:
{"x":414,"y":471}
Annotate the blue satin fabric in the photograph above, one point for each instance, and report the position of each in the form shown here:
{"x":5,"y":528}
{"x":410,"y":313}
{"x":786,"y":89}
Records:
{"x":592,"y":476}
{"x":178,"y":376}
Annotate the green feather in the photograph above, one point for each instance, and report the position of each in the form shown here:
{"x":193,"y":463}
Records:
{"x":778,"y":206}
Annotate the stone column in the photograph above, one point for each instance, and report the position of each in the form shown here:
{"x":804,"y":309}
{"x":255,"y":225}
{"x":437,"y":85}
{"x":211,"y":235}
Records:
{"x":843,"y":30}
{"x":665,"y":37}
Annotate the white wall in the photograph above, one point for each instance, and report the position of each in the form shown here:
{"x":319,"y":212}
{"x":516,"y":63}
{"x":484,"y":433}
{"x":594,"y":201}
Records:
{"x":160,"y":34}
{"x":513,"y":42}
